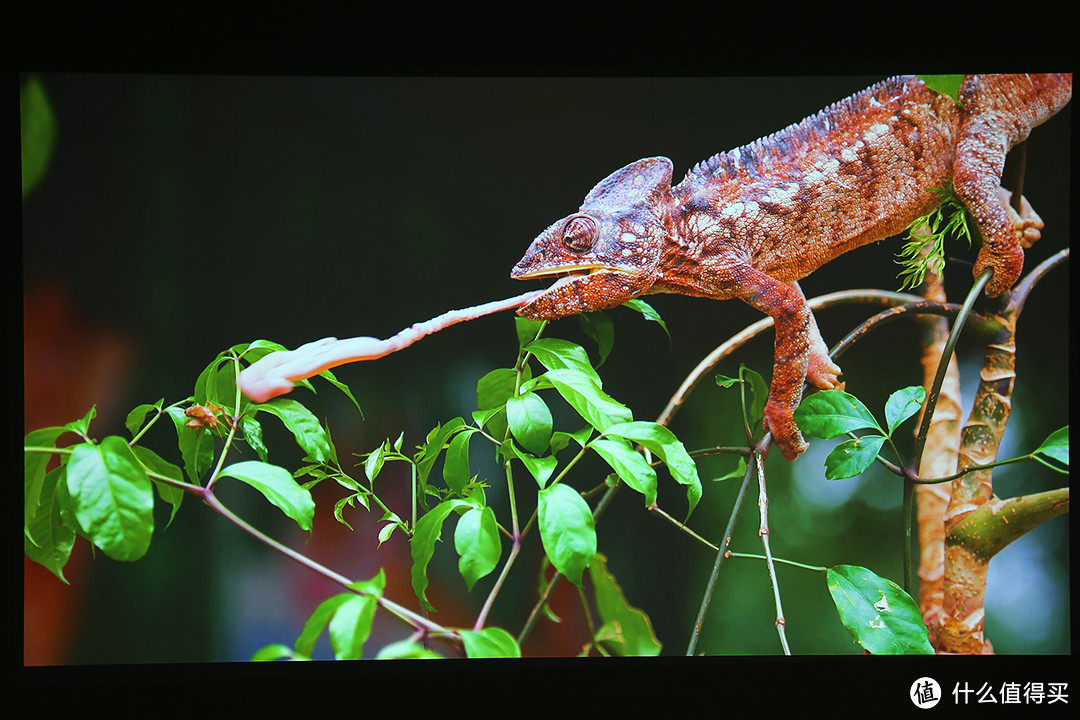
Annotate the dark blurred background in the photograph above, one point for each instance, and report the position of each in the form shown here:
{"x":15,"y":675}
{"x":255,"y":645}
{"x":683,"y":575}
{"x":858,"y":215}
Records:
{"x":180,"y":215}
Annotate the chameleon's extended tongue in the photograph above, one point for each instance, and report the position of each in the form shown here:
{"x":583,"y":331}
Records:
{"x":275,"y":374}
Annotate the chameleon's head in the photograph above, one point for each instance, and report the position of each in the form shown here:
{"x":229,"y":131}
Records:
{"x":608,"y":251}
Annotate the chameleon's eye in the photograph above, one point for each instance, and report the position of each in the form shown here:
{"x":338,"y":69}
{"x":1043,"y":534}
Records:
{"x":579,"y":234}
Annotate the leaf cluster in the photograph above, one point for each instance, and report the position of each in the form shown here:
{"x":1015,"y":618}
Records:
{"x":924,"y":250}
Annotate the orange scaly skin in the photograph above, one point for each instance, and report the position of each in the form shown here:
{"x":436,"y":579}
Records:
{"x":751,"y":222}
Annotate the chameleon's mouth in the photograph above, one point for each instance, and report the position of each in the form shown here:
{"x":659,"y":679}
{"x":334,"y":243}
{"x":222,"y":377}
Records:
{"x":565,"y":274}
{"x":566,"y":271}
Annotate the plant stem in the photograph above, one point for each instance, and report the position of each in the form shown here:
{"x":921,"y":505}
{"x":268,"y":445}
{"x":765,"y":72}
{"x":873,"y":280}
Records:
{"x":763,"y":532}
{"x":221,"y":458}
{"x":659,"y":511}
{"x":711,"y":586}
{"x":535,"y":612}
{"x":753,"y":556}
{"x":407,"y":615}
{"x":515,"y":548}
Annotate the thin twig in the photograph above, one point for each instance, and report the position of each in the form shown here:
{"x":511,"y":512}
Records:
{"x":763,"y":533}
{"x":711,"y":586}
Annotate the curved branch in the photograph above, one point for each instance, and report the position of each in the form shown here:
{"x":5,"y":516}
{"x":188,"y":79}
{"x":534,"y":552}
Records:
{"x":844,"y":297}
{"x":988,"y":530}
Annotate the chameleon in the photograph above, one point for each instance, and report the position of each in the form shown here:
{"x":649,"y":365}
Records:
{"x":751,"y":222}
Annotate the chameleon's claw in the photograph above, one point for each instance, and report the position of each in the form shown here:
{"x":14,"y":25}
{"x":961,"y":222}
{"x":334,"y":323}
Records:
{"x":1026,"y":224}
{"x":823,"y":373}
{"x":781,"y":423}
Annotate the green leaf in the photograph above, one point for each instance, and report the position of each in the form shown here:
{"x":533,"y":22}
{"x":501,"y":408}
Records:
{"x":481,"y":417}
{"x":626,"y":630}
{"x":431,"y":449}
{"x":136,"y":417}
{"x":556,"y":354}
{"x":217,"y":382}
{"x":760,"y":389}
{"x":830,"y":413}
{"x":738,"y":472}
{"x":541,"y":468}
{"x":373,"y":587}
{"x":339,"y":507}
{"x":902,"y":404}
{"x":662,"y":442}
{"x":629,"y":465}
{"x":560,"y":440}
{"x":47,"y":540}
{"x":647,"y":310}
{"x":1055,"y":447}
{"x":476,"y":540}
{"x":925,"y":249}
{"x":592,"y":403}
{"x":38,"y":133}
{"x":277,"y":486}
{"x":456,"y":472}
{"x":881,"y":617}
{"x":270,"y":653}
{"x":112,"y":499}
{"x":82,"y":427}
{"x":599,"y":327}
{"x":851,"y":457}
{"x":567,"y":530}
{"x":330,"y":378}
{"x":35,"y":464}
{"x":252,"y":430}
{"x":350,"y":626}
{"x":495,"y":388}
{"x":427,"y":532}
{"x":945,"y":84}
{"x":257,"y":349}
{"x":304,"y":426}
{"x":530,"y":421}
{"x":527,"y":330}
{"x":374,"y":463}
{"x":492,"y":392}
{"x":490,"y":642}
{"x":155,"y":464}
{"x":406,"y":650}
{"x":313,"y":627}
{"x":394,"y":523}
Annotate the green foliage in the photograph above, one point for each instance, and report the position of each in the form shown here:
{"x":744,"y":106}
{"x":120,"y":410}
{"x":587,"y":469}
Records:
{"x":104,"y":491}
{"x":831,"y":413}
{"x":1054,"y":452}
{"x":945,"y":84}
{"x":881,"y":617}
{"x":749,"y":381}
{"x":38,"y":133}
{"x":277,"y":486}
{"x":490,"y":643}
{"x":304,"y":426}
{"x":348,"y":616}
{"x":925,"y":247}
{"x":110,"y":497}
{"x":567,"y":530}
{"x":626,"y":630}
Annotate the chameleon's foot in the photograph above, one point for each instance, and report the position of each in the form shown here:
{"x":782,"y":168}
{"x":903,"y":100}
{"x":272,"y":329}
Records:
{"x":1026,"y":224}
{"x":1007,"y":268}
{"x":781,"y":423}
{"x":823,"y":373}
